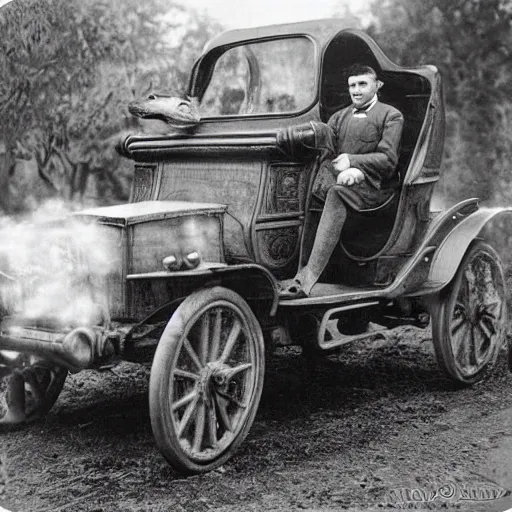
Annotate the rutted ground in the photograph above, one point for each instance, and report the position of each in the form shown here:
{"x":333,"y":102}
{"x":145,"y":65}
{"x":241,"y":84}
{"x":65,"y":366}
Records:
{"x":368,"y":427}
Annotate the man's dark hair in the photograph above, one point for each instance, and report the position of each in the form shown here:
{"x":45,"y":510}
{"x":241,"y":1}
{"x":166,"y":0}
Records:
{"x":361,"y":69}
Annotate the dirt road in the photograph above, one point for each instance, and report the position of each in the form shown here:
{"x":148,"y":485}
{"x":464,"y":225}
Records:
{"x":375,"y":426}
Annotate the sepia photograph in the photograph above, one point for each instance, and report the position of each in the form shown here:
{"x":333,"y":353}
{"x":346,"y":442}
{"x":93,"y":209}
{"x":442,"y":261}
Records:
{"x":255,"y":256}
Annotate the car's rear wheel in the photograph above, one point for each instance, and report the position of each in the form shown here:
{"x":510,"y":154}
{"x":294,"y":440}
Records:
{"x":469,"y":316}
{"x":206,"y":380}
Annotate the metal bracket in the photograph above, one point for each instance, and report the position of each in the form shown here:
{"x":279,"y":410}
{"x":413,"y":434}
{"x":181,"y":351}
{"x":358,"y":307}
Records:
{"x":325,"y":344}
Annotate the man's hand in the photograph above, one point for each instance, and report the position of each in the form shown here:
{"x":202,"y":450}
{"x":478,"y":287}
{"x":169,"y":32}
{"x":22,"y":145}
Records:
{"x":350,"y":177}
{"x":341,"y":162}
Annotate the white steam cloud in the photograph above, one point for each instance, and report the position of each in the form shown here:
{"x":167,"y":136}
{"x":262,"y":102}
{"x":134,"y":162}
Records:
{"x":54,"y":269}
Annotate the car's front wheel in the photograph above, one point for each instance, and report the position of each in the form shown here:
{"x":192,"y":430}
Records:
{"x":206,"y":380}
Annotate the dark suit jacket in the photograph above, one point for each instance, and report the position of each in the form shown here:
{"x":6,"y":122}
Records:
{"x":371,"y":141}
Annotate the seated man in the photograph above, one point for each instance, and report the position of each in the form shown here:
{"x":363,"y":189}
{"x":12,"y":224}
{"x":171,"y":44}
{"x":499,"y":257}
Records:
{"x":367,"y":137}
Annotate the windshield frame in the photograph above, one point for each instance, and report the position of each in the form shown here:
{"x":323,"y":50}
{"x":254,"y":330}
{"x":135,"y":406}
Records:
{"x":204,"y":67}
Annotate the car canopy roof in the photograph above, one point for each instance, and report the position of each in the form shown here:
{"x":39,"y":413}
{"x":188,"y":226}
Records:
{"x":324,"y":33}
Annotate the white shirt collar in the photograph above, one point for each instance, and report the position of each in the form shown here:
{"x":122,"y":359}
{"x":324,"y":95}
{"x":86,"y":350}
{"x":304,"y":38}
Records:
{"x":368,"y":106}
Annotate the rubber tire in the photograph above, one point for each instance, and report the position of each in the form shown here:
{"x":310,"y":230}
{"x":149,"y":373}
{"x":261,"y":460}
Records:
{"x":167,"y":351}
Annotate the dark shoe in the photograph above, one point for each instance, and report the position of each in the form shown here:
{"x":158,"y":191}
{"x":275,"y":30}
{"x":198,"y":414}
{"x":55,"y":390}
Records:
{"x":291,"y":289}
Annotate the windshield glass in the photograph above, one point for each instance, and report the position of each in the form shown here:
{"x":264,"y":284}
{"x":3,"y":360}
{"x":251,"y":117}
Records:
{"x":262,"y":78}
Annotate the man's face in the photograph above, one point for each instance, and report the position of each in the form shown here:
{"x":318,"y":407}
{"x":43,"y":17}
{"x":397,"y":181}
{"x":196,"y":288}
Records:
{"x":362,"y":88}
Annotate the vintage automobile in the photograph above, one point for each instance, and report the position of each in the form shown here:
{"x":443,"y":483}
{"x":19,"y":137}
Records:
{"x":219,"y":212}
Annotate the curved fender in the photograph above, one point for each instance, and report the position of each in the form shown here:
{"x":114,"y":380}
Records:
{"x":449,"y":254}
{"x":242,"y":278}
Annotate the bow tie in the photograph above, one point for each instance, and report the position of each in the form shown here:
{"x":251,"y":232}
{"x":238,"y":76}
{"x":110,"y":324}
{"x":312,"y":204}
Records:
{"x":361,"y":110}
{"x":365,"y":108}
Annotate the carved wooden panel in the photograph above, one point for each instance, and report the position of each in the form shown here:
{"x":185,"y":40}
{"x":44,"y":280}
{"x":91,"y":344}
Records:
{"x":286,"y":190}
{"x":235,"y":183}
{"x":278,"y":245}
{"x":143,"y":183}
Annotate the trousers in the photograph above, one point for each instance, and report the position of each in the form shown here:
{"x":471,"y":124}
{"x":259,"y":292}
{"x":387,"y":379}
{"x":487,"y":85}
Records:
{"x":327,"y":237}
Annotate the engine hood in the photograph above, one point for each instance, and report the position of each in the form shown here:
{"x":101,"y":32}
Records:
{"x":147,"y":211}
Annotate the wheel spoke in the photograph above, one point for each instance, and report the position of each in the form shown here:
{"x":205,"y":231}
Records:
{"x":187,"y":416}
{"x":223,"y":412}
{"x":184,"y":400}
{"x":488,"y":319}
{"x":468,"y":355}
{"x":232,"y":339}
{"x":492,"y":310}
{"x":458,"y":321}
{"x":232,"y":399}
{"x":16,"y":399}
{"x":461,"y":330}
{"x":214,"y":349}
{"x":191,"y":352}
{"x":240,"y":368}
{"x":486,"y":328}
{"x":482,"y":343}
{"x":34,"y":385}
{"x":199,"y":430}
{"x":462,"y":344}
{"x":186,"y":374}
{"x":477,"y":344}
{"x":212,"y":424}
{"x":205,"y":336}
{"x":464,"y":293}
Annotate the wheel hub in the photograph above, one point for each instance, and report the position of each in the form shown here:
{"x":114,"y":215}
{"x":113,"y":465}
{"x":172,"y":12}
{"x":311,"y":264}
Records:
{"x":216,"y":374}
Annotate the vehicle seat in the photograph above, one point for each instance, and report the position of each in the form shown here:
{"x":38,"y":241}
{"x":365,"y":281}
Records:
{"x":366,"y":232}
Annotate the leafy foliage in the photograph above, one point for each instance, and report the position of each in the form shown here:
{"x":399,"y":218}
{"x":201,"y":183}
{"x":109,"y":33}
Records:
{"x":470,"y":42}
{"x":68,"y":69}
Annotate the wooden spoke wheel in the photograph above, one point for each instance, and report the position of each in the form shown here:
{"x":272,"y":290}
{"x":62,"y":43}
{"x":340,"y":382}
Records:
{"x":470,"y":315}
{"x":206,"y":380}
{"x":29,"y":387}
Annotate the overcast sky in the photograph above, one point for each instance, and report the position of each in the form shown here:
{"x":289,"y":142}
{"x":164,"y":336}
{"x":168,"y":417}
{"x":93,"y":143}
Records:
{"x":251,"y":13}
{"x":243,"y":13}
